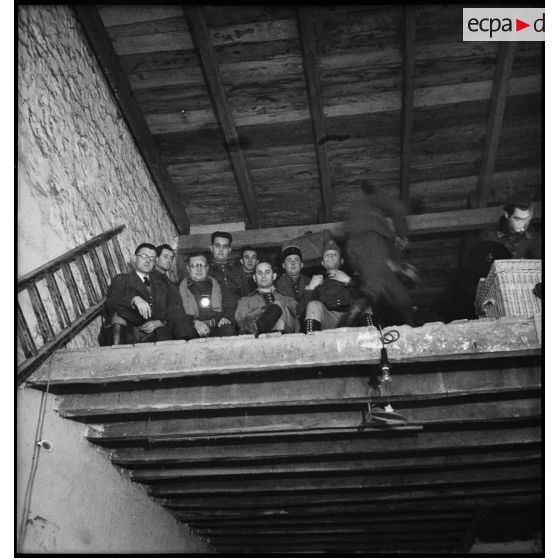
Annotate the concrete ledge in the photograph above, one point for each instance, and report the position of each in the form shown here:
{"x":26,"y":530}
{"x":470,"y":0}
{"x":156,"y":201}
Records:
{"x":459,"y":340}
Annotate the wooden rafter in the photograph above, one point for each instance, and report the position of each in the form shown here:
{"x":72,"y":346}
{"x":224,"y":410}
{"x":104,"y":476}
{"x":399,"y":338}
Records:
{"x":202,"y":42}
{"x":101,"y":44}
{"x":495,"y":118}
{"x":308,"y":42}
{"x":427,"y":223}
{"x":407,"y":87}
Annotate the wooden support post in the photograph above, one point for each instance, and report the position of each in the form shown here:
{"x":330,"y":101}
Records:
{"x":311,"y":73}
{"x":407,"y":87}
{"x":500,"y":90}
{"x":210,"y":67}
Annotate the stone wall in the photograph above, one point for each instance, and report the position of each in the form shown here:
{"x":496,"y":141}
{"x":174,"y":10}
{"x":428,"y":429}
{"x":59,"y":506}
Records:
{"x":79,"y":170}
{"x":79,"y":502}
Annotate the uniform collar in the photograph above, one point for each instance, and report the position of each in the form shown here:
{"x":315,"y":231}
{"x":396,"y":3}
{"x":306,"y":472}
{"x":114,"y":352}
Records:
{"x":504,"y":230}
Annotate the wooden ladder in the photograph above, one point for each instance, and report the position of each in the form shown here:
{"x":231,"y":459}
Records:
{"x":42,"y":290}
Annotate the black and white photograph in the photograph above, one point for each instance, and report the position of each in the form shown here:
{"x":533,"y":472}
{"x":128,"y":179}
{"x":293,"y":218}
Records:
{"x":279,"y":279}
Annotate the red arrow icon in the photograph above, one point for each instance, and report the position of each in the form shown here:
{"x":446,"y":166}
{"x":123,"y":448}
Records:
{"x":519,"y":25}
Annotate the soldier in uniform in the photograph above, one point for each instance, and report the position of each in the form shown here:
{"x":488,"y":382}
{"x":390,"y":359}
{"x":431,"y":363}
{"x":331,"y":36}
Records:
{"x":222,"y":269}
{"x":245,"y":271}
{"x":372,"y":247}
{"x":293,"y":282}
{"x":331,"y":294}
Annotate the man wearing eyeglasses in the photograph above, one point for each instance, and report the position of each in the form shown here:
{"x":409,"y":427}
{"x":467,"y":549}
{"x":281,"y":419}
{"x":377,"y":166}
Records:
{"x":142,"y":307}
{"x":202,"y":299}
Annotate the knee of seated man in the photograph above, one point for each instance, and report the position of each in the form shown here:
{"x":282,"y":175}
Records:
{"x":314,"y":310}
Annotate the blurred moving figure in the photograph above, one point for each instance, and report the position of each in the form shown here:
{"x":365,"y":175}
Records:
{"x":373,"y":246}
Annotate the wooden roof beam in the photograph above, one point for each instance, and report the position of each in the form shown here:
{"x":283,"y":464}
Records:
{"x":308,"y":42}
{"x":102,"y":47}
{"x":361,"y":444}
{"x":407,"y":86}
{"x":426,"y":223}
{"x":500,"y":91}
{"x":210,"y":66}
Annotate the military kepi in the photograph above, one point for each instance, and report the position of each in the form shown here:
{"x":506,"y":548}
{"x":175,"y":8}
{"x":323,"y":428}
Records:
{"x":290,"y":251}
{"x":331,"y":245}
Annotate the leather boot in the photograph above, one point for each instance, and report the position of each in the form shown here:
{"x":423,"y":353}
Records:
{"x":358,"y":306}
{"x":369,"y":320}
{"x":268,"y":318}
{"x":312,"y":325}
{"x":117,"y":334}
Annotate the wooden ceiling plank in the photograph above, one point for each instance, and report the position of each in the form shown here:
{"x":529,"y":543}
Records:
{"x":313,"y":419}
{"x":434,"y":533}
{"x":343,"y":547}
{"x":407,"y":91}
{"x":311,"y":73}
{"x":310,"y":422}
{"x":357,"y":446}
{"x":108,"y":61}
{"x":238,"y":474}
{"x":356,"y":527}
{"x":423,"y":389}
{"x":210,"y":66}
{"x":475,"y":339}
{"x":438,"y":477}
{"x":500,"y":91}
{"x":428,"y":223}
{"x":388,"y":519}
{"x":395,"y":491}
{"x":456,"y":501}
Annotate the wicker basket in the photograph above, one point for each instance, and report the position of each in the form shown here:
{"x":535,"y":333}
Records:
{"x":508,"y":289}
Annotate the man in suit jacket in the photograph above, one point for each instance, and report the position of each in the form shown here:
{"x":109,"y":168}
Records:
{"x":266,"y":309}
{"x":143,"y":305}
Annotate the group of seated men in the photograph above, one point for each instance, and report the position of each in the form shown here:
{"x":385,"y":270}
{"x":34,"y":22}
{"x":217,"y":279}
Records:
{"x":220,"y":297}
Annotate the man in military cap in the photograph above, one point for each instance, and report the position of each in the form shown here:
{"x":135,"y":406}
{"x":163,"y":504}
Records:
{"x":331,"y":294}
{"x":293,"y":282}
{"x":266,"y":309}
